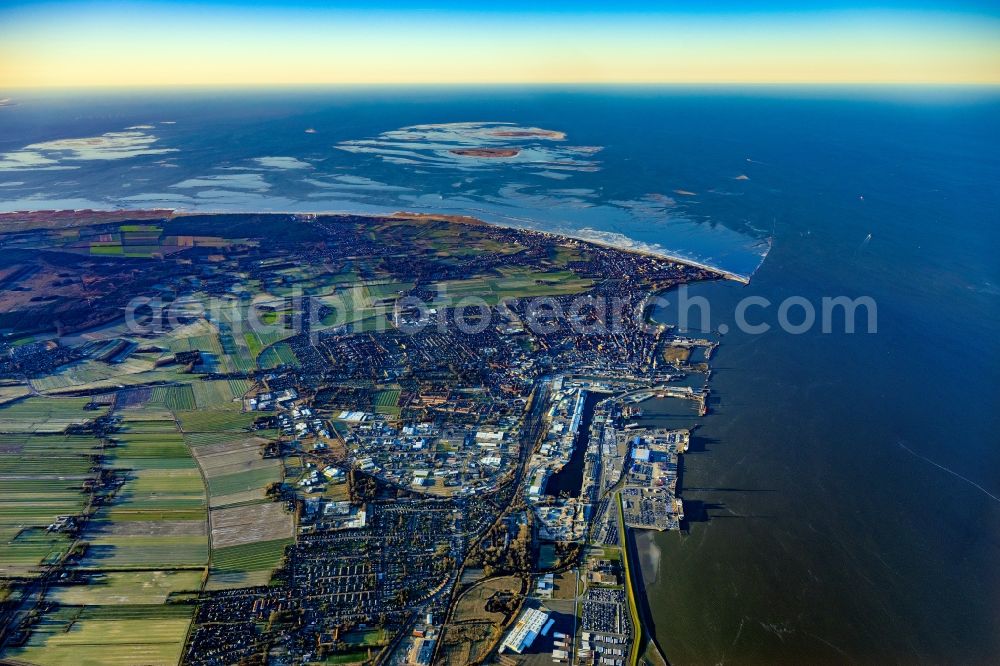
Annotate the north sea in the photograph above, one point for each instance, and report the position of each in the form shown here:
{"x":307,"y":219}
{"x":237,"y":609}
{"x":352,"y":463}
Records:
{"x":842,"y":493}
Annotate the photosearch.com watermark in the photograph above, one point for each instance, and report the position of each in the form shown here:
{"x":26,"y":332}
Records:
{"x":355,"y":309}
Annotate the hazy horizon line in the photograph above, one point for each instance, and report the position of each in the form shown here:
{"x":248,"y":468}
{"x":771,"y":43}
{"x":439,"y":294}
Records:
{"x":734,"y":84}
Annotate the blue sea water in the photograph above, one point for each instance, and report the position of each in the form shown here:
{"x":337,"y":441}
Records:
{"x":843,"y":490}
{"x":615,"y":176}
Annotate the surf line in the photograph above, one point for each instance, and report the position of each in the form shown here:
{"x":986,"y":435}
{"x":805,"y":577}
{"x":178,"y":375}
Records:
{"x":952,"y":472}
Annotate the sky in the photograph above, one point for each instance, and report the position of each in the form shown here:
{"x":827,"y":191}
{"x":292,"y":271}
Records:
{"x":73,"y":43}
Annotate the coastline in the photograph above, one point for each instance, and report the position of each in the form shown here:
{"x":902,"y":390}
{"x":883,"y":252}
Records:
{"x":644,"y":641}
{"x":408,"y":215}
{"x":630,"y":589}
{"x":468,"y":219}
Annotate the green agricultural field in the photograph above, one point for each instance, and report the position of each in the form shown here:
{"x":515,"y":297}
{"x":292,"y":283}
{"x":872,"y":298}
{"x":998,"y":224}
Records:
{"x":43,"y":477}
{"x":201,"y":336}
{"x":269,"y":349}
{"x":123,"y":635}
{"x":56,"y":464}
{"x":215,"y":421}
{"x":269,"y":337}
{"x":517,"y":283}
{"x":563,"y":255}
{"x":96,"y":248}
{"x":91,"y":374}
{"x":47,"y":445}
{"x":75,"y":374}
{"x":197,"y":439}
{"x":245,"y":564}
{"x":239,"y":387}
{"x":377,"y":322}
{"x":387,"y":401}
{"x":258,"y":556}
{"x":21,"y":554}
{"x":150,"y":418}
{"x":159,"y":517}
{"x":388,"y":289}
{"x":236,"y":355}
{"x":128,"y":514}
{"x":146,"y":552}
{"x":157,"y":520}
{"x":122,"y":587}
{"x":271,"y":317}
{"x":214,"y":395}
{"x":12,"y":391}
{"x":24,"y":456}
{"x":39,"y":414}
{"x":173,"y":397}
{"x":277,"y":354}
{"x":253,"y":343}
{"x":447,"y":246}
{"x":355,"y":304}
{"x":228,"y":484}
{"x":259,"y":343}
{"x":149,"y":230}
